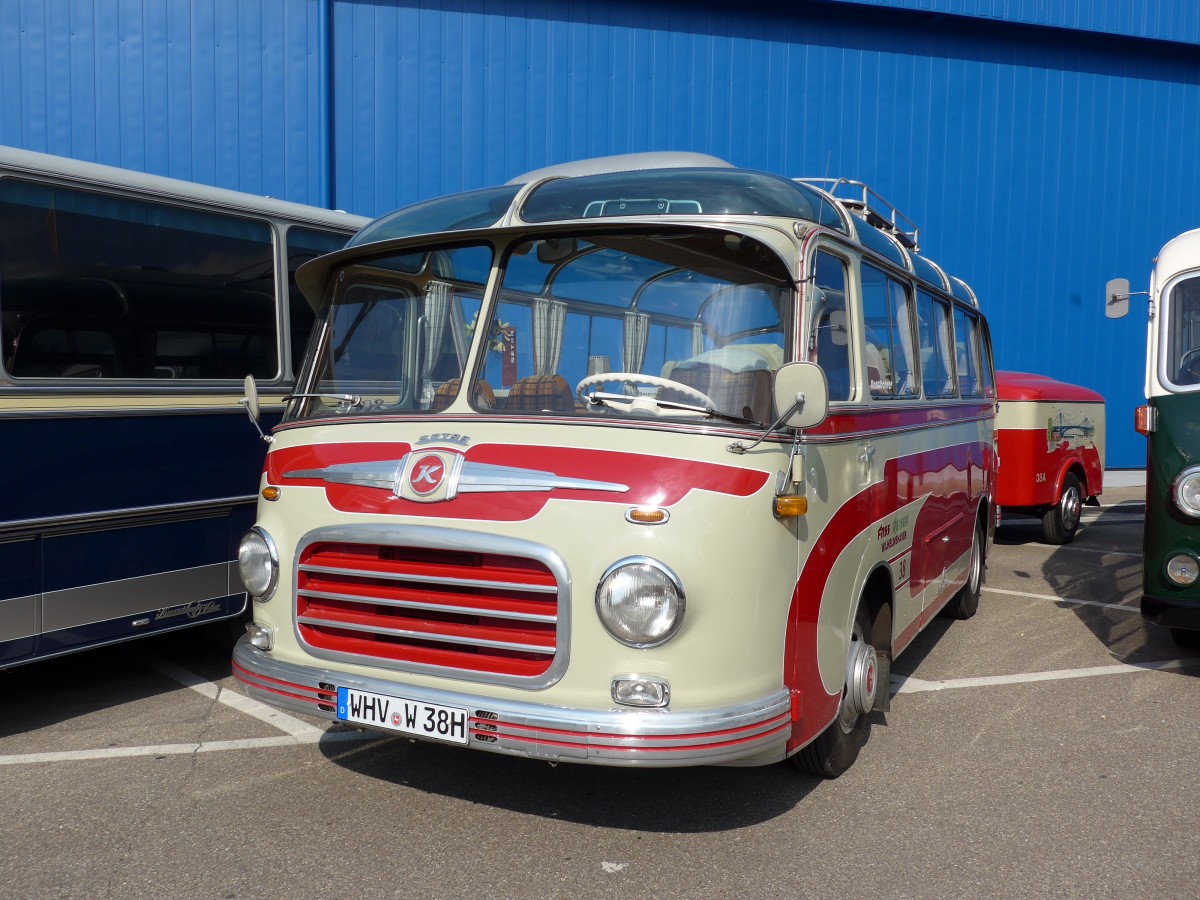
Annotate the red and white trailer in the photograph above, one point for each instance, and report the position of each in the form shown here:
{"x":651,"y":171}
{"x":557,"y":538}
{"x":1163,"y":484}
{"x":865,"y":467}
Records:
{"x":1050,"y":438}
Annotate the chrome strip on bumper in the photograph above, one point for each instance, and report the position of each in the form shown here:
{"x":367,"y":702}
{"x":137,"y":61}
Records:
{"x":757,"y":729}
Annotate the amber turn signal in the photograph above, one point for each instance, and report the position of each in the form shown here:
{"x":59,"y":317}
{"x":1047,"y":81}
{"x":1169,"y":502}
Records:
{"x":270,"y":493}
{"x":790,"y":507}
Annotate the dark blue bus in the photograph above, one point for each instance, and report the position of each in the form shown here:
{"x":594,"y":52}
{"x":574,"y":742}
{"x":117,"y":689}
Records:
{"x":131,"y":309}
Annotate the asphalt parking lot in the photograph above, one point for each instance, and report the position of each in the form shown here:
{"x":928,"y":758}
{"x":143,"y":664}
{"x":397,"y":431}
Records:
{"x":1047,"y":747}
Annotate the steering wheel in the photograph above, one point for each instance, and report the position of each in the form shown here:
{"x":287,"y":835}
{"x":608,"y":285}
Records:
{"x":1188,"y":366}
{"x":635,"y":378}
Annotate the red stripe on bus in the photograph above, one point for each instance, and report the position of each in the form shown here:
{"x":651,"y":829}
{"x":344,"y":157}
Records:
{"x":652,"y":480}
{"x":954,"y":478}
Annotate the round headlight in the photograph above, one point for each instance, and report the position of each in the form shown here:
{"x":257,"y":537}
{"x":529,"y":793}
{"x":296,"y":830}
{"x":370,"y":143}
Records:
{"x":1186,"y":491}
{"x":640,"y":602}
{"x":258,"y":563}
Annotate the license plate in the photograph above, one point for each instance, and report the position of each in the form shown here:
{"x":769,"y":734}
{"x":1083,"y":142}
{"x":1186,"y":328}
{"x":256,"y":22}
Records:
{"x":428,"y":720}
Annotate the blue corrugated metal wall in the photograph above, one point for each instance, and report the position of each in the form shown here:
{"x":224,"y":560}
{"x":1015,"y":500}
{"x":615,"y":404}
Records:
{"x":223,"y":93}
{"x":1042,"y":148}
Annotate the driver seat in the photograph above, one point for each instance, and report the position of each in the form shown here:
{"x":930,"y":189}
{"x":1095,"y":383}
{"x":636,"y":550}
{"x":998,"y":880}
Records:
{"x":542,"y":393}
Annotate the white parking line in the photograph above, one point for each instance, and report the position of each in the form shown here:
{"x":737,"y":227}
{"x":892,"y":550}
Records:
{"x":302,"y":731}
{"x":296,"y":731}
{"x":151,"y":750}
{"x":1121,"y":606}
{"x":902,"y":684}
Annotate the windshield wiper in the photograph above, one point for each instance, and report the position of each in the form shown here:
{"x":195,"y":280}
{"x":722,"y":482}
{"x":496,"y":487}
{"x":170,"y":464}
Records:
{"x":349,"y":401}
{"x":600,"y":398}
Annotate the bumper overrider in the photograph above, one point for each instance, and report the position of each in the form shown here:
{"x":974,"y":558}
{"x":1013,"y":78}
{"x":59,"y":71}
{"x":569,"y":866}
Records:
{"x":752,"y":733}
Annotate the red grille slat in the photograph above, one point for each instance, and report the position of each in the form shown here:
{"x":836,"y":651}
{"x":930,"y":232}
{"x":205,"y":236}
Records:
{"x":483,"y":566}
{"x":443,"y":656}
{"x":489,"y":604}
{"x":429,"y":607}
{"x":428,"y":629}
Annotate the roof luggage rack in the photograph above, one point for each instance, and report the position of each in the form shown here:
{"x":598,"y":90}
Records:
{"x":867,"y":205}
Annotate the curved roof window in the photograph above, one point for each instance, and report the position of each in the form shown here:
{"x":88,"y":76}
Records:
{"x":876,"y":240}
{"x":673,"y":192}
{"x":927,"y":271}
{"x":458,"y":212}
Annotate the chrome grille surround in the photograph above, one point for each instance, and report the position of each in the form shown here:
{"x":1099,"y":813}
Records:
{"x":456,"y":541}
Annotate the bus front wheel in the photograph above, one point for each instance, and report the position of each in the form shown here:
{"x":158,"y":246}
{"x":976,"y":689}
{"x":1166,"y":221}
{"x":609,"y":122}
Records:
{"x":834,"y":750}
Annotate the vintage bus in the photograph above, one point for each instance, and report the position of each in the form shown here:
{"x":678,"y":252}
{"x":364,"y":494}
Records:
{"x":131,"y":309}
{"x":1171,"y":553}
{"x":644,"y":461}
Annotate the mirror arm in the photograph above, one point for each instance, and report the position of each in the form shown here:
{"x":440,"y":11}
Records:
{"x":739,"y":448}
{"x":245,"y":402}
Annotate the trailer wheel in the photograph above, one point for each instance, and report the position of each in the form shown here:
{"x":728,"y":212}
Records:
{"x":965,"y":603}
{"x":1060,"y":521}
{"x":835,"y":749}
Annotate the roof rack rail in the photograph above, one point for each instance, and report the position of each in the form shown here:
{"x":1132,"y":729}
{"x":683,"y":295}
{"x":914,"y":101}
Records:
{"x":870,"y":207}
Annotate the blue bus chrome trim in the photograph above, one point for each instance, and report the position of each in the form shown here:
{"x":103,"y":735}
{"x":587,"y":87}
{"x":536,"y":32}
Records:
{"x":18,"y":618}
{"x":112,"y":516}
{"x":115,"y":631}
{"x":144,"y":595}
{"x":751,"y":732}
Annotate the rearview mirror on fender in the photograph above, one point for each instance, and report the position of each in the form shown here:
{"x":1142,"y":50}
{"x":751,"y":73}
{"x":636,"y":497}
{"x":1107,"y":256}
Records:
{"x":801,"y":394}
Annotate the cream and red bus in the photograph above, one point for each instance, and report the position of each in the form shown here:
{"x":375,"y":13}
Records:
{"x":644,"y":461}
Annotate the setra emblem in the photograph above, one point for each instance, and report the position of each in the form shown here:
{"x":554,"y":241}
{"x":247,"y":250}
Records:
{"x":426,"y":475}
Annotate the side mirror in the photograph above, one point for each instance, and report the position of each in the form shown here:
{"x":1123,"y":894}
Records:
{"x":837,"y":328}
{"x":250,"y":401}
{"x":801,"y":394}
{"x":1116,"y":303}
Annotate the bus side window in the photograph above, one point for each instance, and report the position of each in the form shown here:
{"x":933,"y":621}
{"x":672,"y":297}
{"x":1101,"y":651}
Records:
{"x":891,"y":367}
{"x":966,"y":343}
{"x":829,"y":342}
{"x":120,"y":287}
{"x":935,"y":336}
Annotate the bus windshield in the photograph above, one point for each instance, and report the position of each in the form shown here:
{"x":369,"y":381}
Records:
{"x":659,"y":324}
{"x":1181,"y":339}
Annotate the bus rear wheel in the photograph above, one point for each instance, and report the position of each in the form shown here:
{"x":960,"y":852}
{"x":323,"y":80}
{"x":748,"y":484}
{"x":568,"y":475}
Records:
{"x":1060,"y":522}
{"x":965,"y":603}
{"x":836,"y":748}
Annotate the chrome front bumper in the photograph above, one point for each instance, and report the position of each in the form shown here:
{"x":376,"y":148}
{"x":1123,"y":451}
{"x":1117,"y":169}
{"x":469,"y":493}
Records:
{"x":748,"y":734}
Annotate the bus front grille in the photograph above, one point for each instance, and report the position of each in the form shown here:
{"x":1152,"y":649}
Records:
{"x":478,"y":613}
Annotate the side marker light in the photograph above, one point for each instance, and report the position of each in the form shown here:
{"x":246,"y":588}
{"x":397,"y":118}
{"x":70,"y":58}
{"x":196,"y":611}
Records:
{"x":790,"y":507}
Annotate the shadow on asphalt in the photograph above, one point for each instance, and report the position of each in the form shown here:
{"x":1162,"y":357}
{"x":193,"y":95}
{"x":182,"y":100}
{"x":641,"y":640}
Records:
{"x":1103,"y":565}
{"x":52,"y":691}
{"x":666,"y":801}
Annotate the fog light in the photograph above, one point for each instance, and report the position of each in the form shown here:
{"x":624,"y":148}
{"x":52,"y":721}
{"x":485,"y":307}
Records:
{"x":261,"y":636}
{"x":1183,"y":569}
{"x":630,"y":690}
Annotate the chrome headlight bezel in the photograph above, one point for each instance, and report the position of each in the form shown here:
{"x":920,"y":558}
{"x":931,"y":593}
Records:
{"x":1185,"y":491}
{"x":640,"y":602}
{"x":257,"y":553}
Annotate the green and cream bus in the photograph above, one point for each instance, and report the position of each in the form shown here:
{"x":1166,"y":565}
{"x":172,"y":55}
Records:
{"x":644,"y":461}
{"x":1171,"y":562}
